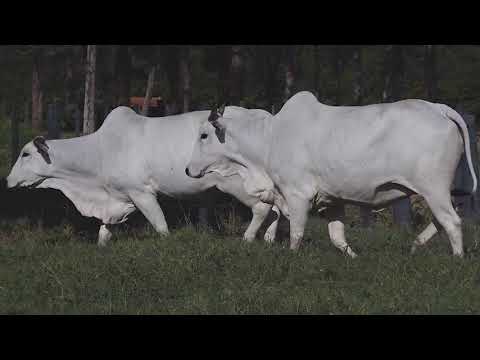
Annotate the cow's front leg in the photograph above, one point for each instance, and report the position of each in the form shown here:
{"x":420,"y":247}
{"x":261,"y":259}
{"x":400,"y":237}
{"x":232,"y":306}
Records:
{"x":298,"y":208}
{"x":148,"y":205}
{"x":336,"y":229}
{"x":424,"y":237}
{"x":104,"y":236}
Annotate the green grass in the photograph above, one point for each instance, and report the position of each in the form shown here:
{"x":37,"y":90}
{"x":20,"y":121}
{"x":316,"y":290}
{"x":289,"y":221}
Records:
{"x":200,"y":272}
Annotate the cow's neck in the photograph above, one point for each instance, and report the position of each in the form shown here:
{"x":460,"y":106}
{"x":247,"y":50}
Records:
{"x":251,"y":148}
{"x":75,"y":157}
{"x":252,"y":141}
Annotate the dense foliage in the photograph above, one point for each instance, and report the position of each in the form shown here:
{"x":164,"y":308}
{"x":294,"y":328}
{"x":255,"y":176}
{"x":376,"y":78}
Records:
{"x":255,"y":76}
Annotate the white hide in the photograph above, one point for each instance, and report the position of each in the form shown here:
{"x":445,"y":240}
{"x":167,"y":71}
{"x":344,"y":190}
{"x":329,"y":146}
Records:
{"x":124,"y":165}
{"x":314,"y":154}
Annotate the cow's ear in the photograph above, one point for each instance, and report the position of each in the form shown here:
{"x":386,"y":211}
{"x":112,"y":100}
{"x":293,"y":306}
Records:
{"x":213,"y":119}
{"x":216,"y":113}
{"x":42,"y":148}
{"x":221,"y":110}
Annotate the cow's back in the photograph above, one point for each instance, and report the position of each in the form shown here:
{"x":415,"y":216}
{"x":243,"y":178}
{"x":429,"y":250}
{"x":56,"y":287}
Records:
{"x":351,"y":148}
{"x":141,"y":151}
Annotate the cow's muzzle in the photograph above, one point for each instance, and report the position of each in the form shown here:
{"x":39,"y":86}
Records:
{"x":18,"y":184}
{"x":9,"y":184}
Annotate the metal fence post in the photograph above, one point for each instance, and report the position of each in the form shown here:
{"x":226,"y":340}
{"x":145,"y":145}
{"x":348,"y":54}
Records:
{"x":402,"y":213}
{"x":366,"y":217}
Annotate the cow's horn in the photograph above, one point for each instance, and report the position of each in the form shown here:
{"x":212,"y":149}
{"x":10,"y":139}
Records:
{"x":221,"y":110}
{"x":213,"y":115}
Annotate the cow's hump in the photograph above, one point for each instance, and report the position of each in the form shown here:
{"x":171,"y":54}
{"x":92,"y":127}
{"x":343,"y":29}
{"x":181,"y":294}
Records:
{"x":119,"y":117}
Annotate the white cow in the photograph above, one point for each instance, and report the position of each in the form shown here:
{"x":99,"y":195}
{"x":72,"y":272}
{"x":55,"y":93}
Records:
{"x":124,"y":165}
{"x":311,"y":153}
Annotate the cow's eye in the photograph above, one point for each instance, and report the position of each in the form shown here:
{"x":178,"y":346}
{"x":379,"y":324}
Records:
{"x":25,"y":154}
{"x":203,"y":136}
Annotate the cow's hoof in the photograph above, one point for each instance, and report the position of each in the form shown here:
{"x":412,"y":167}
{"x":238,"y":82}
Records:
{"x":458,"y":255}
{"x":104,"y":236}
{"x":101,"y":244}
{"x":269,"y":238}
{"x":413,"y":249}
{"x":352,"y":255}
{"x":248,"y":238}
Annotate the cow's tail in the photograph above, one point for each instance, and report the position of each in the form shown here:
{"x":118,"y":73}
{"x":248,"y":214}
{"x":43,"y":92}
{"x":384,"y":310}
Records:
{"x":455,"y":116}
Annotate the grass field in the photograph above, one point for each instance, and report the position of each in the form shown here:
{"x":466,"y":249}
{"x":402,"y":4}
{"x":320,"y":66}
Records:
{"x":53,"y":271}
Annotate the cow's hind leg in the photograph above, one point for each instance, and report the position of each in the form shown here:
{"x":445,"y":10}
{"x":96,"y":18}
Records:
{"x":104,"y":236}
{"x":424,"y":237}
{"x":148,"y":205}
{"x":299,"y":209}
{"x":271,"y":231}
{"x":442,"y":209}
{"x":336,"y":229}
{"x":259,"y":211}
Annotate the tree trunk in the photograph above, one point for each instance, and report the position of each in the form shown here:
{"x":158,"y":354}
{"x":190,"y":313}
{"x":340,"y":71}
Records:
{"x":387,"y":74}
{"x":40,"y":107}
{"x":358,"y":91}
{"x":148,"y":94}
{"x":123,"y":76}
{"x":26,"y":114}
{"x":269,"y":72}
{"x":431,"y":72}
{"x":273,"y":88}
{"x":316,"y":72}
{"x":236,"y":76}
{"x":172,"y":64}
{"x":338,"y":67}
{"x":89,"y":105}
{"x":394,"y":71}
{"x":36,"y":98}
{"x":111,"y":98}
{"x":222,"y":61}
{"x":68,"y":86}
{"x":289,"y":73}
{"x":3,"y":109}
{"x":14,"y":141}
{"x":185,"y":79}
{"x":358,"y":87}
